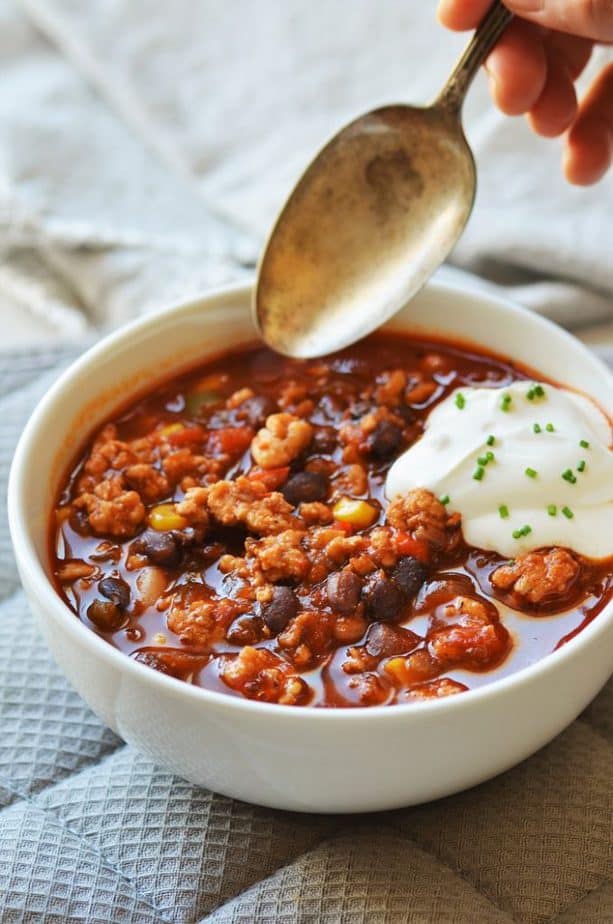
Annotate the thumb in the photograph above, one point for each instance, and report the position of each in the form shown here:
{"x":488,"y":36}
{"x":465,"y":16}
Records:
{"x":592,"y":19}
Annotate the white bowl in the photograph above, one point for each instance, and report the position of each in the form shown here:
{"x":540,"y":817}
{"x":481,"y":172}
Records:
{"x":341,"y":760}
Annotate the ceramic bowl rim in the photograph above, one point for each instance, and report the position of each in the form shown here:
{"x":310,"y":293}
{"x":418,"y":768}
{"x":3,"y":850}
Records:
{"x":36,"y":577}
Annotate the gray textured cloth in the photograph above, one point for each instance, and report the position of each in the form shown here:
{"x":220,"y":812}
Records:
{"x":90,"y":830}
{"x":125,"y":126}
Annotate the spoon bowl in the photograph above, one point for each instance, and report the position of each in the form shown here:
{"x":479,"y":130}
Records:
{"x":370,"y":220}
{"x":373,"y":216}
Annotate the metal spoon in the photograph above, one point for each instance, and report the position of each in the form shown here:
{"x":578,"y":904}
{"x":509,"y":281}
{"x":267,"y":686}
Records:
{"x":373,"y":217}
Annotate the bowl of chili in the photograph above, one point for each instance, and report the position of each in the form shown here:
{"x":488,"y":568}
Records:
{"x":217,"y":569}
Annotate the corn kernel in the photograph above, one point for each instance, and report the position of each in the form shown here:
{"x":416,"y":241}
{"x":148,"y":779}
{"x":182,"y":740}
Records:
{"x":165,"y":516}
{"x":172,"y":428}
{"x":357,"y":513}
{"x":397,"y":670}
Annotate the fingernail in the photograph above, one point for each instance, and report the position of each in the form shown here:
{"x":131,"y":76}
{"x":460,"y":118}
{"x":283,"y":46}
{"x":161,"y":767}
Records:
{"x":526,"y":6}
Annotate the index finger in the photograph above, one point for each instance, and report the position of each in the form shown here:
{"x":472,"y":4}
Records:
{"x":461,"y":15}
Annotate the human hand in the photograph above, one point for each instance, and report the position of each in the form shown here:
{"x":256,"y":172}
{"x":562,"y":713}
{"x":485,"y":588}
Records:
{"x":533,"y":70}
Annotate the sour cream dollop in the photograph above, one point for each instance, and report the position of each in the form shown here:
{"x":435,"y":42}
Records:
{"x":548,"y":479}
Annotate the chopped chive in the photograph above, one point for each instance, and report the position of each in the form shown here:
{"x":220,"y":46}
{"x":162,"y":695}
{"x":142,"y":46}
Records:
{"x":584,"y":444}
{"x":550,"y":428}
{"x":581,"y":465}
{"x":531,"y":472}
{"x":505,"y":402}
{"x":491,"y":440}
{"x":483,"y":460}
{"x":490,"y":456}
{"x":568,"y":476}
{"x":460,"y":400}
{"x":517,"y":533}
{"x":444,"y":500}
{"x":523,"y":531}
{"x":503,"y":510}
{"x":552,"y":510}
{"x":479,"y":473}
{"x":537,"y":391}
{"x":567,"y":513}
{"x":536,"y":427}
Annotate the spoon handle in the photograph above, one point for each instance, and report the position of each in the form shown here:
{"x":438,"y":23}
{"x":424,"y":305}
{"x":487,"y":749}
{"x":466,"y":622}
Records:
{"x":487,"y":34}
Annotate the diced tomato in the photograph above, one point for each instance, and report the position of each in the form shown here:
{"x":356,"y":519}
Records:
{"x":271,"y":478}
{"x":472,"y":647}
{"x":346,"y":527}
{"x":186,"y":436}
{"x":232,"y":440}
{"x":408,"y":545}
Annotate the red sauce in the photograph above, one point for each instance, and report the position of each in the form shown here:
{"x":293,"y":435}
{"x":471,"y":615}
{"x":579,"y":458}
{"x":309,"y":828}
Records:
{"x":259,"y":587}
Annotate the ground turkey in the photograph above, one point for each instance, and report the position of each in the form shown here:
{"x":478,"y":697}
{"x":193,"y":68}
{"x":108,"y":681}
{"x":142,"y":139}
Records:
{"x":538,"y":577}
{"x":260,"y":674}
{"x":111,"y":510}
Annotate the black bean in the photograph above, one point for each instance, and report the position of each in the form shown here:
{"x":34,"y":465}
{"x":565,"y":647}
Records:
{"x":333,"y":402}
{"x":405,"y":412}
{"x":324,"y":440}
{"x":359,"y":409}
{"x":305,"y":487}
{"x":151,"y":659}
{"x":278,"y":611}
{"x":383,"y":600}
{"x":344,"y":589}
{"x":255,"y":410}
{"x":161,"y":548}
{"x":245,"y":630}
{"x":409,"y":574}
{"x":385,"y":439}
{"x":79,"y":520}
{"x":383,"y":640}
{"x":170,"y":661}
{"x":116,"y":590}
{"x":105,"y":615}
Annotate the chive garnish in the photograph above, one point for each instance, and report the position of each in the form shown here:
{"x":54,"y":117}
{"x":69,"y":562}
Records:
{"x":460,"y":400}
{"x":482,"y":460}
{"x":537,"y":391}
{"x":505,"y":402}
{"x":490,"y":456}
{"x":569,"y":476}
{"x":531,"y":472}
{"x":567,"y":513}
{"x":479,"y":473}
{"x":503,"y":510}
{"x":552,"y":510}
{"x":491,"y":440}
{"x":584,"y":444}
{"x":444,"y":500}
{"x":536,"y":427}
{"x":523,"y":531}
{"x":550,"y":428}
{"x":581,"y":465}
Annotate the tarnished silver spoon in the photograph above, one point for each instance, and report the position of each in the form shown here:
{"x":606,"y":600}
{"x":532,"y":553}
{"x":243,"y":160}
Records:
{"x":373,"y":217}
